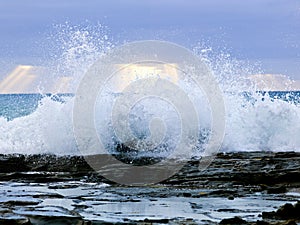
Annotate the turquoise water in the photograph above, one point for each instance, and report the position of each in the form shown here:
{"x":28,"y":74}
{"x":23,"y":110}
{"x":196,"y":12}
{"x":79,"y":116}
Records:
{"x":17,"y":105}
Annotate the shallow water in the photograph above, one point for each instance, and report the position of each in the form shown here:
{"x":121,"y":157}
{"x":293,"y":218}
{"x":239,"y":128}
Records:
{"x":101,"y":202}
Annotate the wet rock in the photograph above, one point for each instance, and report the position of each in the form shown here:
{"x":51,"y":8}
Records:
{"x":287,"y":211}
{"x":57,"y":163}
{"x":12,"y":163}
{"x":21,"y":202}
{"x":288,"y":155}
{"x":233,"y":221}
{"x":21,"y":163}
{"x":230,"y":197}
{"x":63,"y":186}
{"x":47,"y":195}
{"x":223,"y":193}
{"x":230,"y":176}
{"x":229,"y":210}
{"x":156,"y":221}
{"x":131,"y":156}
{"x":261,"y":222}
{"x":187,"y":194}
{"x":289,"y":222}
{"x":228,"y":169}
{"x":276,"y":190}
{"x":16,"y":221}
{"x":50,"y":220}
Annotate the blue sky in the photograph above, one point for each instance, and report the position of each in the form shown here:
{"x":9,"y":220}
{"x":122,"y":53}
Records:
{"x":267,"y":31}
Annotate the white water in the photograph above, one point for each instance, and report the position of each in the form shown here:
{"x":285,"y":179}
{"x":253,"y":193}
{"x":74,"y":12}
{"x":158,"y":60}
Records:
{"x":269,"y":124}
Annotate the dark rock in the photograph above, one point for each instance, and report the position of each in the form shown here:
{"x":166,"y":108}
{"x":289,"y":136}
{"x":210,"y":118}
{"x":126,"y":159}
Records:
{"x":21,"y":203}
{"x":54,"y":220}
{"x":283,"y":155}
{"x":230,"y":197}
{"x":276,"y":190}
{"x":268,"y":215}
{"x":223,"y":193}
{"x":21,"y":221}
{"x":288,"y":176}
{"x":229,"y":210}
{"x":288,"y":222}
{"x":287,"y":211}
{"x":156,"y":220}
{"x":187,"y":194}
{"x":258,"y":169}
{"x":261,"y":222}
{"x":22,"y":163}
{"x":48,"y":195}
{"x":297,"y":207}
{"x":63,"y":186}
{"x":12,"y":163}
{"x":229,"y":176}
{"x":234,"y":221}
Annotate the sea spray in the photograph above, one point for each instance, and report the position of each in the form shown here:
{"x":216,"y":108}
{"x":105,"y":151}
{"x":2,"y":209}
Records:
{"x":76,"y":48}
{"x":47,"y":130}
{"x":254,"y":120}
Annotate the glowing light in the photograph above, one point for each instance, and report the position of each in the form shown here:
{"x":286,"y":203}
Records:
{"x":30,"y":79}
{"x":18,"y":80}
{"x":62,"y":85}
{"x":132,"y":72}
{"x":274,"y":82}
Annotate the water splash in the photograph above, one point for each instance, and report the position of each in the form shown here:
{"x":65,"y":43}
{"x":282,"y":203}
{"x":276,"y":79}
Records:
{"x":76,"y":48}
{"x":254,"y":120}
{"x":47,"y":130}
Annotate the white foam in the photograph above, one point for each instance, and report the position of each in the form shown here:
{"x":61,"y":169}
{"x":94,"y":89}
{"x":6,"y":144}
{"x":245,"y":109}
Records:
{"x":47,"y":130}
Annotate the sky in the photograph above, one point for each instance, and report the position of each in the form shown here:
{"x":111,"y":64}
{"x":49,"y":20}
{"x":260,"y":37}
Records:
{"x":264,"y":31}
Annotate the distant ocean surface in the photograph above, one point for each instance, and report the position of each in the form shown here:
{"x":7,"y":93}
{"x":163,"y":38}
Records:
{"x":20,"y":105}
{"x":260,"y":121}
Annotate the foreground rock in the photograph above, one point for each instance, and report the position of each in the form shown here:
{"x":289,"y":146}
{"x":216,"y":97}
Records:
{"x":287,"y":214}
{"x":233,"y":221}
{"x":15,"y":221}
{"x":287,"y":211}
{"x":48,"y":189}
{"x":267,"y":171}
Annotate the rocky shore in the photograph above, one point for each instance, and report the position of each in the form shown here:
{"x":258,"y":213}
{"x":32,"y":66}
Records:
{"x":237,"y":188}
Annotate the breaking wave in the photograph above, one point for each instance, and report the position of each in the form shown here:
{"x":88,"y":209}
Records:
{"x":255,"y":120}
